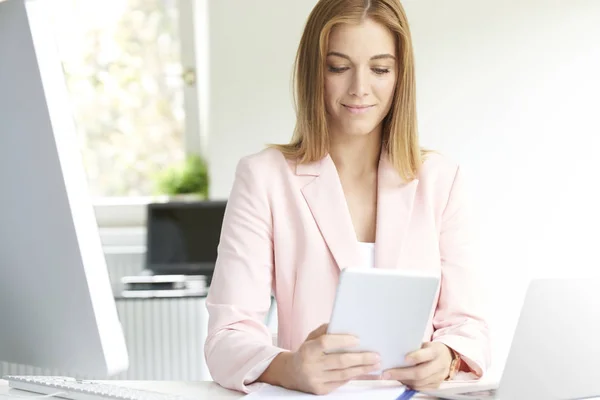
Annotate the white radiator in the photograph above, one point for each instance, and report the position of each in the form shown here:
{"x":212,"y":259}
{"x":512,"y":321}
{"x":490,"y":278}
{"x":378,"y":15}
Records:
{"x":165,"y":337}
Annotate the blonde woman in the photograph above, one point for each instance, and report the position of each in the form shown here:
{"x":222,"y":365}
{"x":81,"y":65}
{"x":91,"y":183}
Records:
{"x":353,"y":188}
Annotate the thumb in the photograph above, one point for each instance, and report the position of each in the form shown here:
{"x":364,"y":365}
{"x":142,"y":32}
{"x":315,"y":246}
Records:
{"x":320,"y":331}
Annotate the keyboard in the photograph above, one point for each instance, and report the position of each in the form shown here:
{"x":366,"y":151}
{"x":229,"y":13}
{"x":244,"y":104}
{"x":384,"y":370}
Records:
{"x":74,"y":389}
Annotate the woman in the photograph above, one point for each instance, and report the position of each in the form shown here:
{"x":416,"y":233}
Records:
{"x":352,"y":189}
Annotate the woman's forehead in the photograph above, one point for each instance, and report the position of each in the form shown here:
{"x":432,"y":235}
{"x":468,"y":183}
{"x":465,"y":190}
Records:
{"x":364,"y":39}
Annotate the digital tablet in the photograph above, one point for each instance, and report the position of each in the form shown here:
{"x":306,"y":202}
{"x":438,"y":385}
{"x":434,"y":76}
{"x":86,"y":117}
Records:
{"x":387,"y":309}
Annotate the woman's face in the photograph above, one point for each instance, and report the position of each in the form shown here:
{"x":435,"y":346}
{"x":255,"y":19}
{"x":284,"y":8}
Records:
{"x":360,"y":77}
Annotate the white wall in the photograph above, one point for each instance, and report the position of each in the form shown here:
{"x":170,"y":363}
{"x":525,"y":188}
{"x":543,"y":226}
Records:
{"x":252,"y":45}
{"x":510,"y":88}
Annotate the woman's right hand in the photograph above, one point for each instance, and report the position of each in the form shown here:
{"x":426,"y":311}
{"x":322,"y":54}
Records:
{"x":312,"y":370}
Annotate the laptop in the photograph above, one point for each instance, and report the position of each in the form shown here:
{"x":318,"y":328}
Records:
{"x":182,"y":237}
{"x":555,"y":351}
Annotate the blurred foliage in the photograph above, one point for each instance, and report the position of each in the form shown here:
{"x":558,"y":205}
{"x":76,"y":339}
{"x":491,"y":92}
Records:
{"x":190,"y":177}
{"x":122,"y":66}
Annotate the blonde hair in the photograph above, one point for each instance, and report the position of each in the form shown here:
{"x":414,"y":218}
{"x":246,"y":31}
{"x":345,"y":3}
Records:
{"x":310,"y":141}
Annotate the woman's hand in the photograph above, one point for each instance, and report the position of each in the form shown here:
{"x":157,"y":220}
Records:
{"x":311,"y":370}
{"x":430,"y":367}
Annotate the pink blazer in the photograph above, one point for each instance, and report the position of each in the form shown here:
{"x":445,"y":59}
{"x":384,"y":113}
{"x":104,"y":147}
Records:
{"x":287,"y":230}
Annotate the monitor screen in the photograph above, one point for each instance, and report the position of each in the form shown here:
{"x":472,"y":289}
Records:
{"x":183,"y":237}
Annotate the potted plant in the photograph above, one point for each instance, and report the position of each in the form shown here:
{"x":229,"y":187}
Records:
{"x":188,"y":180}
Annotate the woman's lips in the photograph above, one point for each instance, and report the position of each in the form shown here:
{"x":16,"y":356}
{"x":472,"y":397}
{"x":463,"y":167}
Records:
{"x":358,"y":109}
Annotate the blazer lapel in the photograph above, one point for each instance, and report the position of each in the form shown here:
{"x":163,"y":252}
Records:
{"x":327,"y":202}
{"x":395,"y":199}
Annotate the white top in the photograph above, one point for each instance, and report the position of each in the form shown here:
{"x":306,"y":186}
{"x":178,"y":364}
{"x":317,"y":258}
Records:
{"x":367,"y":251}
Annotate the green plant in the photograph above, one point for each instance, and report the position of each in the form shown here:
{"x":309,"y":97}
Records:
{"x":191,"y":177}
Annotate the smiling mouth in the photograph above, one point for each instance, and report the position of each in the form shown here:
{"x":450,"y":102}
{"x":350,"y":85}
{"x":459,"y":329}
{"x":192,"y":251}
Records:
{"x":358,"y":109}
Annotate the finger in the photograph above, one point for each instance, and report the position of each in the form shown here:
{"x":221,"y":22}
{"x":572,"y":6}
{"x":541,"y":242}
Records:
{"x":347,"y":360}
{"x":433,"y":382}
{"x":368,"y":377}
{"x":320,"y":331}
{"x":422,"y":355}
{"x":417,"y":373}
{"x":326,"y":343}
{"x":351,"y":373}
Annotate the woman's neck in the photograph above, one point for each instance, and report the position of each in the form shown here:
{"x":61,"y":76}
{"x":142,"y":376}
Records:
{"x":356,"y":155}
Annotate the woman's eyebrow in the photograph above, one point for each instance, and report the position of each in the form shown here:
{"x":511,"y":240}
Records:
{"x":376,"y":57}
{"x":382,"y":56}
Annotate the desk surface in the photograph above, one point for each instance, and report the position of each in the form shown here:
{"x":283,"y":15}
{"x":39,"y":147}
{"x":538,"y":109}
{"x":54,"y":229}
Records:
{"x":200,"y":390}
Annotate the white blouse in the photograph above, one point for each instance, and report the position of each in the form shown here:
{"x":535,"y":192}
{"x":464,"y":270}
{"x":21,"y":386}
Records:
{"x":367,"y":251}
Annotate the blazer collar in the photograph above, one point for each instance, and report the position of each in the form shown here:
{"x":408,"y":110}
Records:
{"x":313,"y":168}
{"x":326,"y":200}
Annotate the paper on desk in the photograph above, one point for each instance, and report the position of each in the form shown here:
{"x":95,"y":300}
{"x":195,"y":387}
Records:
{"x":347,"y":392}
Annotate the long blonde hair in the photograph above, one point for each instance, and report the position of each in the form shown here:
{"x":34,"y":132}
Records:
{"x":310,"y":141}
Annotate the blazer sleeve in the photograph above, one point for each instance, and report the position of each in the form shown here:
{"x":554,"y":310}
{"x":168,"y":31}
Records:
{"x":238,"y":342}
{"x":459,"y":319}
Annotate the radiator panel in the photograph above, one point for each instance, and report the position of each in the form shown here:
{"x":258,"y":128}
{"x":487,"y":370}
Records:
{"x":165,"y":337}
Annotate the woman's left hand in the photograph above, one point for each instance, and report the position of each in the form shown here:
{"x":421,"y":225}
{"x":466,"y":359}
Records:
{"x":430,"y":367}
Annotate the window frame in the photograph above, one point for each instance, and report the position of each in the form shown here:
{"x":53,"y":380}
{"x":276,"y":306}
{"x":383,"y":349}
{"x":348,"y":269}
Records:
{"x":128,"y":214}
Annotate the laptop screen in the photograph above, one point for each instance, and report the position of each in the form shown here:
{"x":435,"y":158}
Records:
{"x":183,"y":237}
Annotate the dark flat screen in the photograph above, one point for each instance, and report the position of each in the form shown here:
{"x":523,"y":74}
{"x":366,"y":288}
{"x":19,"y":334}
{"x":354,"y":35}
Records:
{"x":183,"y":237}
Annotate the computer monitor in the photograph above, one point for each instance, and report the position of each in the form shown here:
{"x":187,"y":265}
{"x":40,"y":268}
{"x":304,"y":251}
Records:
{"x":57,"y":309}
{"x":183,"y":237}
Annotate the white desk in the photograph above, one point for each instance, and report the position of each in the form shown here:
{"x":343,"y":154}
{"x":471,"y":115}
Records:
{"x":199,"y":390}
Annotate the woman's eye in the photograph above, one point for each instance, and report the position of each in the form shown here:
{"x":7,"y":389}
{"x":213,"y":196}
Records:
{"x":337,"y":70}
{"x":381,"y":71}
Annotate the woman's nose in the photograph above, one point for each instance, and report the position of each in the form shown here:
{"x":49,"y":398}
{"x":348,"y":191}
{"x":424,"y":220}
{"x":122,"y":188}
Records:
{"x":359,"y":85}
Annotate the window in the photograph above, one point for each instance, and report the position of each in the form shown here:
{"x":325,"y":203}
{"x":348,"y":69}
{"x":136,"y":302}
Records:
{"x":130,"y":72}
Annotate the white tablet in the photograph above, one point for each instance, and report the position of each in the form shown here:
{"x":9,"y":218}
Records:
{"x":387,"y":309}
